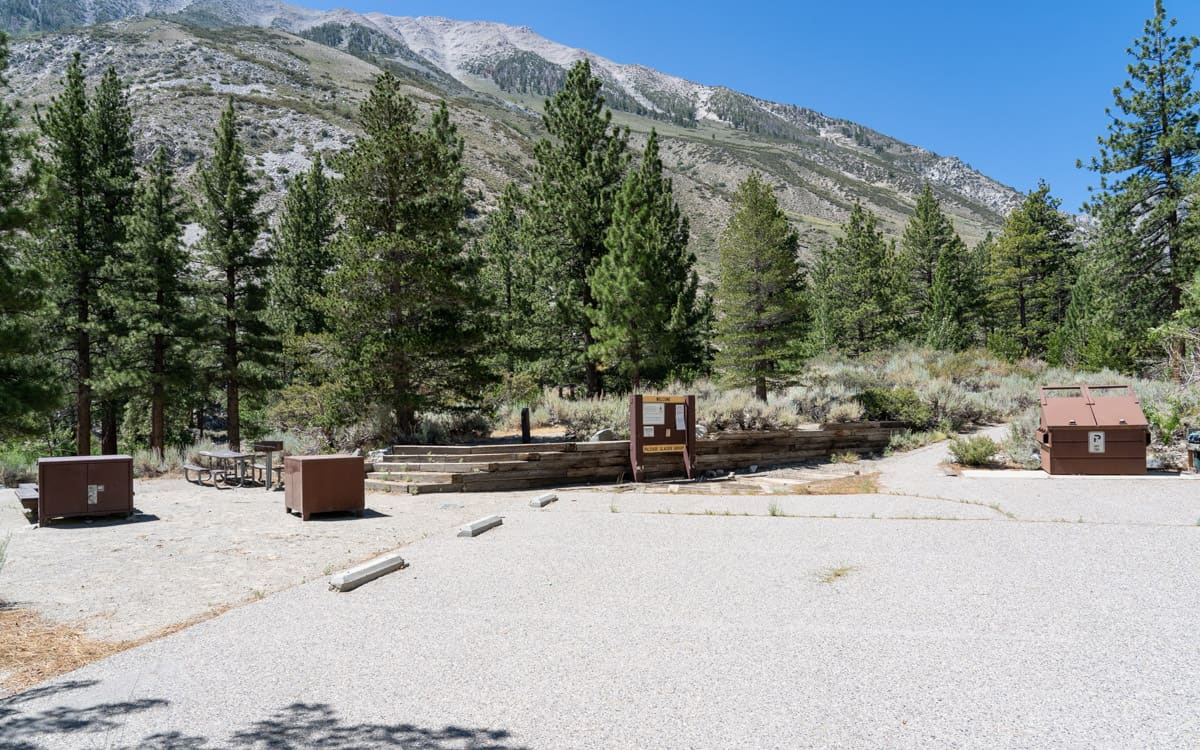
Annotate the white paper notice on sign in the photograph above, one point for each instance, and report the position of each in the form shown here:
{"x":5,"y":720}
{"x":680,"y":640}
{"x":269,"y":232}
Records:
{"x":680,"y":417}
{"x":1095,"y":442}
{"x":654,"y":413}
{"x":647,"y":432}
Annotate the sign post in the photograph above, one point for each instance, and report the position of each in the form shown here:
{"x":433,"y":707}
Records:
{"x":662,"y":424}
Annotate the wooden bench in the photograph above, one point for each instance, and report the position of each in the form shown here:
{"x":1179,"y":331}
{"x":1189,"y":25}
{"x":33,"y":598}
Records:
{"x":28,"y":495}
{"x":260,"y":471}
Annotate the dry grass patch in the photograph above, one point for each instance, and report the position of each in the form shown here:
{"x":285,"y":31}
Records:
{"x":859,"y":484}
{"x":835,"y":574}
{"x":34,"y":650}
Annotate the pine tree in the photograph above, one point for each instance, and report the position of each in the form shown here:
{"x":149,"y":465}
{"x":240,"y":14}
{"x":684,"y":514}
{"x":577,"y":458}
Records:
{"x":236,"y":269}
{"x":577,"y":173}
{"x":861,"y":288}
{"x":950,"y":321}
{"x":25,"y":385}
{"x":927,"y":235}
{"x":301,"y":256}
{"x":1030,"y":276}
{"x":156,"y":288}
{"x":111,"y":124}
{"x":645,"y":288}
{"x":508,"y":280}
{"x":1147,"y":159}
{"x":405,"y":302}
{"x":70,"y":250}
{"x":760,"y":302}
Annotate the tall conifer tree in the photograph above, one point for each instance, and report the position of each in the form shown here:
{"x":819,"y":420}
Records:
{"x":155,"y":297}
{"x":405,"y":301}
{"x":301,"y":255}
{"x":508,"y":279}
{"x":236,"y":270}
{"x":861,"y":287}
{"x":647,"y":312}
{"x":577,"y":173}
{"x":24,"y":380}
{"x":760,"y":301}
{"x":1147,"y":161}
{"x":927,"y":235}
{"x":950,"y":321}
{"x":72,"y":254}
{"x":1030,"y":275}
{"x":110,"y":121}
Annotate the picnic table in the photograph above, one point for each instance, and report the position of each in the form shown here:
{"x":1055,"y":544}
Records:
{"x":225,"y":464}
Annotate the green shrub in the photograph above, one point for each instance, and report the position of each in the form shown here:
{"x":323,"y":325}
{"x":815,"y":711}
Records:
{"x":973,"y":451}
{"x":16,"y":467}
{"x":896,"y":405}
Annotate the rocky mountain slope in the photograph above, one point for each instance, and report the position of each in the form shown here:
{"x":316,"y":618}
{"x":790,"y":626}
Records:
{"x":298,"y":75}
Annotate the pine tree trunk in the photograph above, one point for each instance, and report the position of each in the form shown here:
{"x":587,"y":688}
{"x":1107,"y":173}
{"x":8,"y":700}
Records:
{"x":760,"y":389}
{"x":83,"y":392}
{"x":157,"y":402}
{"x":406,"y":420}
{"x":108,"y":427}
{"x":232,"y":404}
{"x":232,"y":421}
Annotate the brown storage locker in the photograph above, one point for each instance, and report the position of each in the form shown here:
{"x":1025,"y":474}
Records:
{"x":84,"y":486}
{"x":1092,"y":429}
{"x":321,"y":484}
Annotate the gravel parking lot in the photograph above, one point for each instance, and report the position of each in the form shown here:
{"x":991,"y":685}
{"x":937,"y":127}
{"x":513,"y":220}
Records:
{"x":957,"y":614}
{"x":194,"y":549}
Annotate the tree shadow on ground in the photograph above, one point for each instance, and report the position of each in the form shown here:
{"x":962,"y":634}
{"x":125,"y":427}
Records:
{"x":300,"y":725}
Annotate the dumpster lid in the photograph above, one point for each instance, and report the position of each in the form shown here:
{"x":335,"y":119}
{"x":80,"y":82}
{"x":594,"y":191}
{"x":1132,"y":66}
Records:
{"x":1091,"y":406}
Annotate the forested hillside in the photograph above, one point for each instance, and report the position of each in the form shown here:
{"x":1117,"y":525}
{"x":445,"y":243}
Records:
{"x":351,"y":255}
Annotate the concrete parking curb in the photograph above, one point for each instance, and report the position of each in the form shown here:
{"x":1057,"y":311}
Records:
{"x":352,"y":578}
{"x":475,"y":528}
{"x":541,"y":501}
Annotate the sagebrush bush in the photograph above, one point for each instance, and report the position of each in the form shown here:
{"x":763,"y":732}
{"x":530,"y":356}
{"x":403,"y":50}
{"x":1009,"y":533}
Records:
{"x":581,"y":418}
{"x":974,"y":451}
{"x":908,"y":440}
{"x":146,"y":464}
{"x":1021,"y":444}
{"x":439,"y":428}
{"x":846,"y":411}
{"x":740,"y":410}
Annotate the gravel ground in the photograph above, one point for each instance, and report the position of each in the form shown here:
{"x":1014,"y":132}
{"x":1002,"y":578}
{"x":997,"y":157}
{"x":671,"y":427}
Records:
{"x":620,"y":630}
{"x":193,"y":549}
{"x":986,"y":612}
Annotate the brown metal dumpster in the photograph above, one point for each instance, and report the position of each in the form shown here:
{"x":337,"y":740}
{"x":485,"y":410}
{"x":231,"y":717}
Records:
{"x":1092,"y":429}
{"x":84,"y":486}
{"x":320,"y":484}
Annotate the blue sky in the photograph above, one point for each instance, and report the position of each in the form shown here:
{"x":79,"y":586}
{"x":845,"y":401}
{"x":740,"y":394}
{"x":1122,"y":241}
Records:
{"x":1017,"y":88}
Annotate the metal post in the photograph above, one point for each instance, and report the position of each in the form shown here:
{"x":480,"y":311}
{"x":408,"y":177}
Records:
{"x":525,"y":432}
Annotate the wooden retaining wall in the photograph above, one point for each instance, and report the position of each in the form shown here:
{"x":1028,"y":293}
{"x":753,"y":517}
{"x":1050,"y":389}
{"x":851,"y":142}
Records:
{"x":483,"y":468}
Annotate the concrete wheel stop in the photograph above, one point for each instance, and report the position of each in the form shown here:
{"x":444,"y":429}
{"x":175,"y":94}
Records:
{"x":542,"y":500}
{"x":475,"y":528}
{"x":352,"y":578}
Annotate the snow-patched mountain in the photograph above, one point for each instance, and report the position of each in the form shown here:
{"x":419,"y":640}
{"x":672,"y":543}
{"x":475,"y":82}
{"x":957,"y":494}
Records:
{"x":193,"y":53}
{"x":517,"y":60}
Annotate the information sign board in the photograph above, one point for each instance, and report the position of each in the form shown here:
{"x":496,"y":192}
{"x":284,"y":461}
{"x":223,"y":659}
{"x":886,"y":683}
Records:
{"x":662,"y":424}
